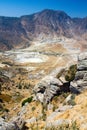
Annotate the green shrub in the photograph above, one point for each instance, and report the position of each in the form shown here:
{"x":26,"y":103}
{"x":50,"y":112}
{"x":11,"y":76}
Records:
{"x":26,"y":86}
{"x":19,"y":86}
{"x":29,"y":100}
{"x":65,"y":95}
{"x":73,"y":96}
{"x":70,"y":74}
{"x":72,"y":100}
{"x":44,"y":109}
{"x":54,"y":108}
{"x":33,"y":108}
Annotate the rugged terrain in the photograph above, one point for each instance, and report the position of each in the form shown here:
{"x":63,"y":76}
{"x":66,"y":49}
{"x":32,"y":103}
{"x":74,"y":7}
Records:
{"x":41,"y":27}
{"x":43,"y":72}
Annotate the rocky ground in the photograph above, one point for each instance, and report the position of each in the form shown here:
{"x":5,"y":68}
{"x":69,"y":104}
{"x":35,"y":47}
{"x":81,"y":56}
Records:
{"x":43,"y":87}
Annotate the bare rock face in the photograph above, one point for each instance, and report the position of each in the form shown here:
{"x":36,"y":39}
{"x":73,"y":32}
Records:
{"x":80,"y":82}
{"x":48,"y":87}
{"x":16,"y":124}
{"x":7,"y":126}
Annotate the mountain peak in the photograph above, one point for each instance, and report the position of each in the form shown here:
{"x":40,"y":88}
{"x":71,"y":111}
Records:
{"x":53,"y":11}
{"x":54,"y":23}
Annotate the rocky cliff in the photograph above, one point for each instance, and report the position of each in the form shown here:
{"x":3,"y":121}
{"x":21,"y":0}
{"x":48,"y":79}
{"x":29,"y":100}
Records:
{"x":80,"y":82}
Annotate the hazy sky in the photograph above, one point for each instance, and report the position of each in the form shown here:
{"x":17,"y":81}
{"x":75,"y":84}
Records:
{"x":74,"y":8}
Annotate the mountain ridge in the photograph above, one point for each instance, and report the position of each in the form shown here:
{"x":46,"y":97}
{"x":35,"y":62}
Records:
{"x":19,"y":32}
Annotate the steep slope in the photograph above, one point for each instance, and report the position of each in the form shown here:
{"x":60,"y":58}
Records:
{"x":11,"y":32}
{"x":19,"y":32}
{"x":47,"y":22}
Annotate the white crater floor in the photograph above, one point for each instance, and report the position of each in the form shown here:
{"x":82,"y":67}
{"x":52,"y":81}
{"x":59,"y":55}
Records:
{"x":24,"y":56}
{"x":30,"y":58}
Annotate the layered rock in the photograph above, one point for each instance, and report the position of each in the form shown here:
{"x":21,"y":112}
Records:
{"x":16,"y":124}
{"x":80,"y":82}
{"x":48,"y":87}
{"x":7,"y":126}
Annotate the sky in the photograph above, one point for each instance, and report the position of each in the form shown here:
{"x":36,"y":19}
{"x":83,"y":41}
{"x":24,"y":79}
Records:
{"x":17,"y":8}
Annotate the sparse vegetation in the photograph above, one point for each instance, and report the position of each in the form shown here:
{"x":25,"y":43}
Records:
{"x":3,"y":109}
{"x":19,"y":85}
{"x":22,"y":82}
{"x":44,"y":109}
{"x":5,"y":97}
{"x":59,"y":99}
{"x":33,"y":108}
{"x":69,"y":74}
{"x":28,"y":100}
{"x":72,"y":101}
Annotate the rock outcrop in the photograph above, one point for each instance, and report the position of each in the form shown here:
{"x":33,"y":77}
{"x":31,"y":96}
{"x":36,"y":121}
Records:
{"x":48,"y":87}
{"x":7,"y":126}
{"x":16,"y":124}
{"x":80,"y":82}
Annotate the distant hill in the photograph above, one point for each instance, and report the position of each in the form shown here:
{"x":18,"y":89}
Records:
{"x":20,"y":32}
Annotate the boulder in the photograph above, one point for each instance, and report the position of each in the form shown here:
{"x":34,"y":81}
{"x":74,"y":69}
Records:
{"x":7,"y":126}
{"x":80,"y":82}
{"x":82,"y":65}
{"x":48,"y":87}
{"x":31,"y":120}
{"x":16,"y":124}
{"x":82,"y":56}
{"x":57,"y":123}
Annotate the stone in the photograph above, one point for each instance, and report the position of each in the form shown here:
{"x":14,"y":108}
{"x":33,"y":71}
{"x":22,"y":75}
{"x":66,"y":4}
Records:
{"x":48,"y":87}
{"x":82,"y":65}
{"x":40,"y":97}
{"x":56,"y":123}
{"x":62,"y":79}
{"x":63,"y":108}
{"x":80,"y":74}
{"x":8,"y":125}
{"x":82,"y":56}
{"x":79,"y":84}
{"x":31,"y":120}
{"x":68,"y":99}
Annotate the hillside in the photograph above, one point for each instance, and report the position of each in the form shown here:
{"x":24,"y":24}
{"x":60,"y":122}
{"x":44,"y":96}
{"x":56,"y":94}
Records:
{"x":43,"y":72}
{"x":45,"y":25}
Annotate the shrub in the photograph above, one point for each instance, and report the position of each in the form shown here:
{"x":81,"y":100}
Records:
{"x":19,"y":86}
{"x":29,"y":100}
{"x":44,"y":109}
{"x":33,"y":108}
{"x":70,"y":74}
{"x":26,"y":86}
{"x":72,"y":100}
